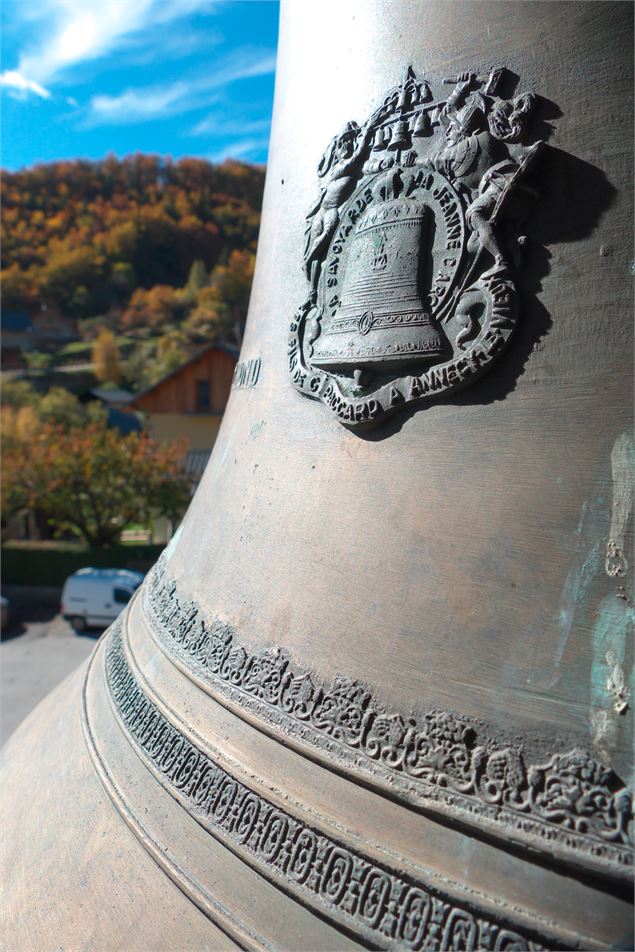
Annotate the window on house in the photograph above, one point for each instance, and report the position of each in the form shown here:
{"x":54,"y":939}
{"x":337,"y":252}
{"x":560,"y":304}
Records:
{"x":202,"y":396}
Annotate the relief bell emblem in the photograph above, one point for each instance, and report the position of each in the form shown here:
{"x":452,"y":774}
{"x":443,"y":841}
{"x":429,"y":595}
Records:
{"x":409,"y":248}
{"x":382,"y":320}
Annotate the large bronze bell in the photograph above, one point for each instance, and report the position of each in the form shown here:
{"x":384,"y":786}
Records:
{"x":377,"y":692}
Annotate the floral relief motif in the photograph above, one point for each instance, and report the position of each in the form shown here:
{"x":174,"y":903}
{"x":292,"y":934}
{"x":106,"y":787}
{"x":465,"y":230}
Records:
{"x":340,"y":712}
{"x":386,"y":909}
{"x":384,"y":738}
{"x":264,"y":677}
{"x":297,"y":698}
{"x":437,"y":759}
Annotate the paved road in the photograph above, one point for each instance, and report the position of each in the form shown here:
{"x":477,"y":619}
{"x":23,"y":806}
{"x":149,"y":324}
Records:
{"x":38,"y":650}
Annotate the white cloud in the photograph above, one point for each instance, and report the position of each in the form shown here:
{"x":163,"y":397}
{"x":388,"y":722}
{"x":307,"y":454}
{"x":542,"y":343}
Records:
{"x":134,"y":105}
{"x":241,"y":149}
{"x":75,"y":31}
{"x":175,"y":44}
{"x":216,"y":125}
{"x":14,"y":80}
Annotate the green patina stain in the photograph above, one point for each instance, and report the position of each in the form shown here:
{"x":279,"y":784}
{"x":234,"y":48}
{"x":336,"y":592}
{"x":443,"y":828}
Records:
{"x":613,"y":626}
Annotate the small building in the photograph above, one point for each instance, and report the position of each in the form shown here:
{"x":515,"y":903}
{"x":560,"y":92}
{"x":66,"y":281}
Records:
{"x":110,"y":396}
{"x":115,"y":400}
{"x":16,"y":337}
{"x":190,"y":401}
{"x":51,"y":329}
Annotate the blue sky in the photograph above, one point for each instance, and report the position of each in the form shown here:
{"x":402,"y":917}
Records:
{"x":84,"y":78}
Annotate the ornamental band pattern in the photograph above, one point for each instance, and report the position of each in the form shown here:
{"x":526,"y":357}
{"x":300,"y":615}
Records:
{"x":569,"y":804}
{"x":388,"y":909}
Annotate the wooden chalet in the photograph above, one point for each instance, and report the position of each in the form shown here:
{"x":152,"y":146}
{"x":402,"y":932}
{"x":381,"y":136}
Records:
{"x":190,"y":400}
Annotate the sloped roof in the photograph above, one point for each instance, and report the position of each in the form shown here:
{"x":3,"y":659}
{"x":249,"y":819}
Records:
{"x":231,"y":351}
{"x":116,"y":395}
{"x":15,"y":320}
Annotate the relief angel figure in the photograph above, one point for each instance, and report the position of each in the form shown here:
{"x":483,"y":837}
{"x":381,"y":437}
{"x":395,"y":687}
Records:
{"x":337,"y":169}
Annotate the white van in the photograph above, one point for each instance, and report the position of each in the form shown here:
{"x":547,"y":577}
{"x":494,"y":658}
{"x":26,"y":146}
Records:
{"x":94,"y":597}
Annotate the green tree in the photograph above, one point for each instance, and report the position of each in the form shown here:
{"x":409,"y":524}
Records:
{"x":197,"y":279}
{"x":152,"y":360}
{"x":106,"y":358}
{"x":62,"y":408}
{"x":18,"y":393}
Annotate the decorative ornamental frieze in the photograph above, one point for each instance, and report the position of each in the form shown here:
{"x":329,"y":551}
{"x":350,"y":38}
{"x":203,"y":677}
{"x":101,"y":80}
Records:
{"x":567,"y":804}
{"x":387,"y":908}
{"x":411,"y":247}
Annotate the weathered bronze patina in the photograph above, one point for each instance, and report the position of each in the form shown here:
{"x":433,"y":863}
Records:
{"x":377,"y":691}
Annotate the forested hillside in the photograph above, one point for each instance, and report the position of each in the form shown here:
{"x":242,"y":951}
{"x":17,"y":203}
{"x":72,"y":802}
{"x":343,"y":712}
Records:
{"x":156,"y":250}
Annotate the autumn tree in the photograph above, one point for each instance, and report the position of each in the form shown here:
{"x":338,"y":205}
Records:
{"x":18,"y":426}
{"x":221,"y":306}
{"x":18,"y":287}
{"x":208,"y":320}
{"x":234,"y":284}
{"x":70,"y":276}
{"x":93,"y":481}
{"x":24,"y":411}
{"x":18,"y":413}
{"x":107,"y":358}
{"x":152,"y":310}
{"x":85,"y":235}
{"x":62,"y":408}
{"x":150,"y":360}
{"x":18,"y":393}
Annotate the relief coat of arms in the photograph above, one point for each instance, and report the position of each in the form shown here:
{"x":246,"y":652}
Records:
{"x":411,"y":247}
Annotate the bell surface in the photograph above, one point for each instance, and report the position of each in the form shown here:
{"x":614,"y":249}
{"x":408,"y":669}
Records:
{"x":377,"y":692}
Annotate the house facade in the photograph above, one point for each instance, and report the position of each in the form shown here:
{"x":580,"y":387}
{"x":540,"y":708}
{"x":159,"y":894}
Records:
{"x":190,"y":401}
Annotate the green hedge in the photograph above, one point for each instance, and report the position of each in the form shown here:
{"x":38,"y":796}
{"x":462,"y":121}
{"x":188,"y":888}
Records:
{"x":50,"y":563}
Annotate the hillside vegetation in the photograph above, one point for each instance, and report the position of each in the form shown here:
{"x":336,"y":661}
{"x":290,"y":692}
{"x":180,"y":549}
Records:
{"x":161,"y":252}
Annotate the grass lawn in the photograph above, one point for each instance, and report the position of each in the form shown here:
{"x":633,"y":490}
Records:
{"x":50,"y":562}
{"x":75,"y":347}
{"x":79,"y":351}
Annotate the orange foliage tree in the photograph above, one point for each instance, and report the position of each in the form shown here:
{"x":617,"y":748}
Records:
{"x":84,"y":235}
{"x":94,"y":481}
{"x":151,"y":310}
{"x":221,"y":307}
